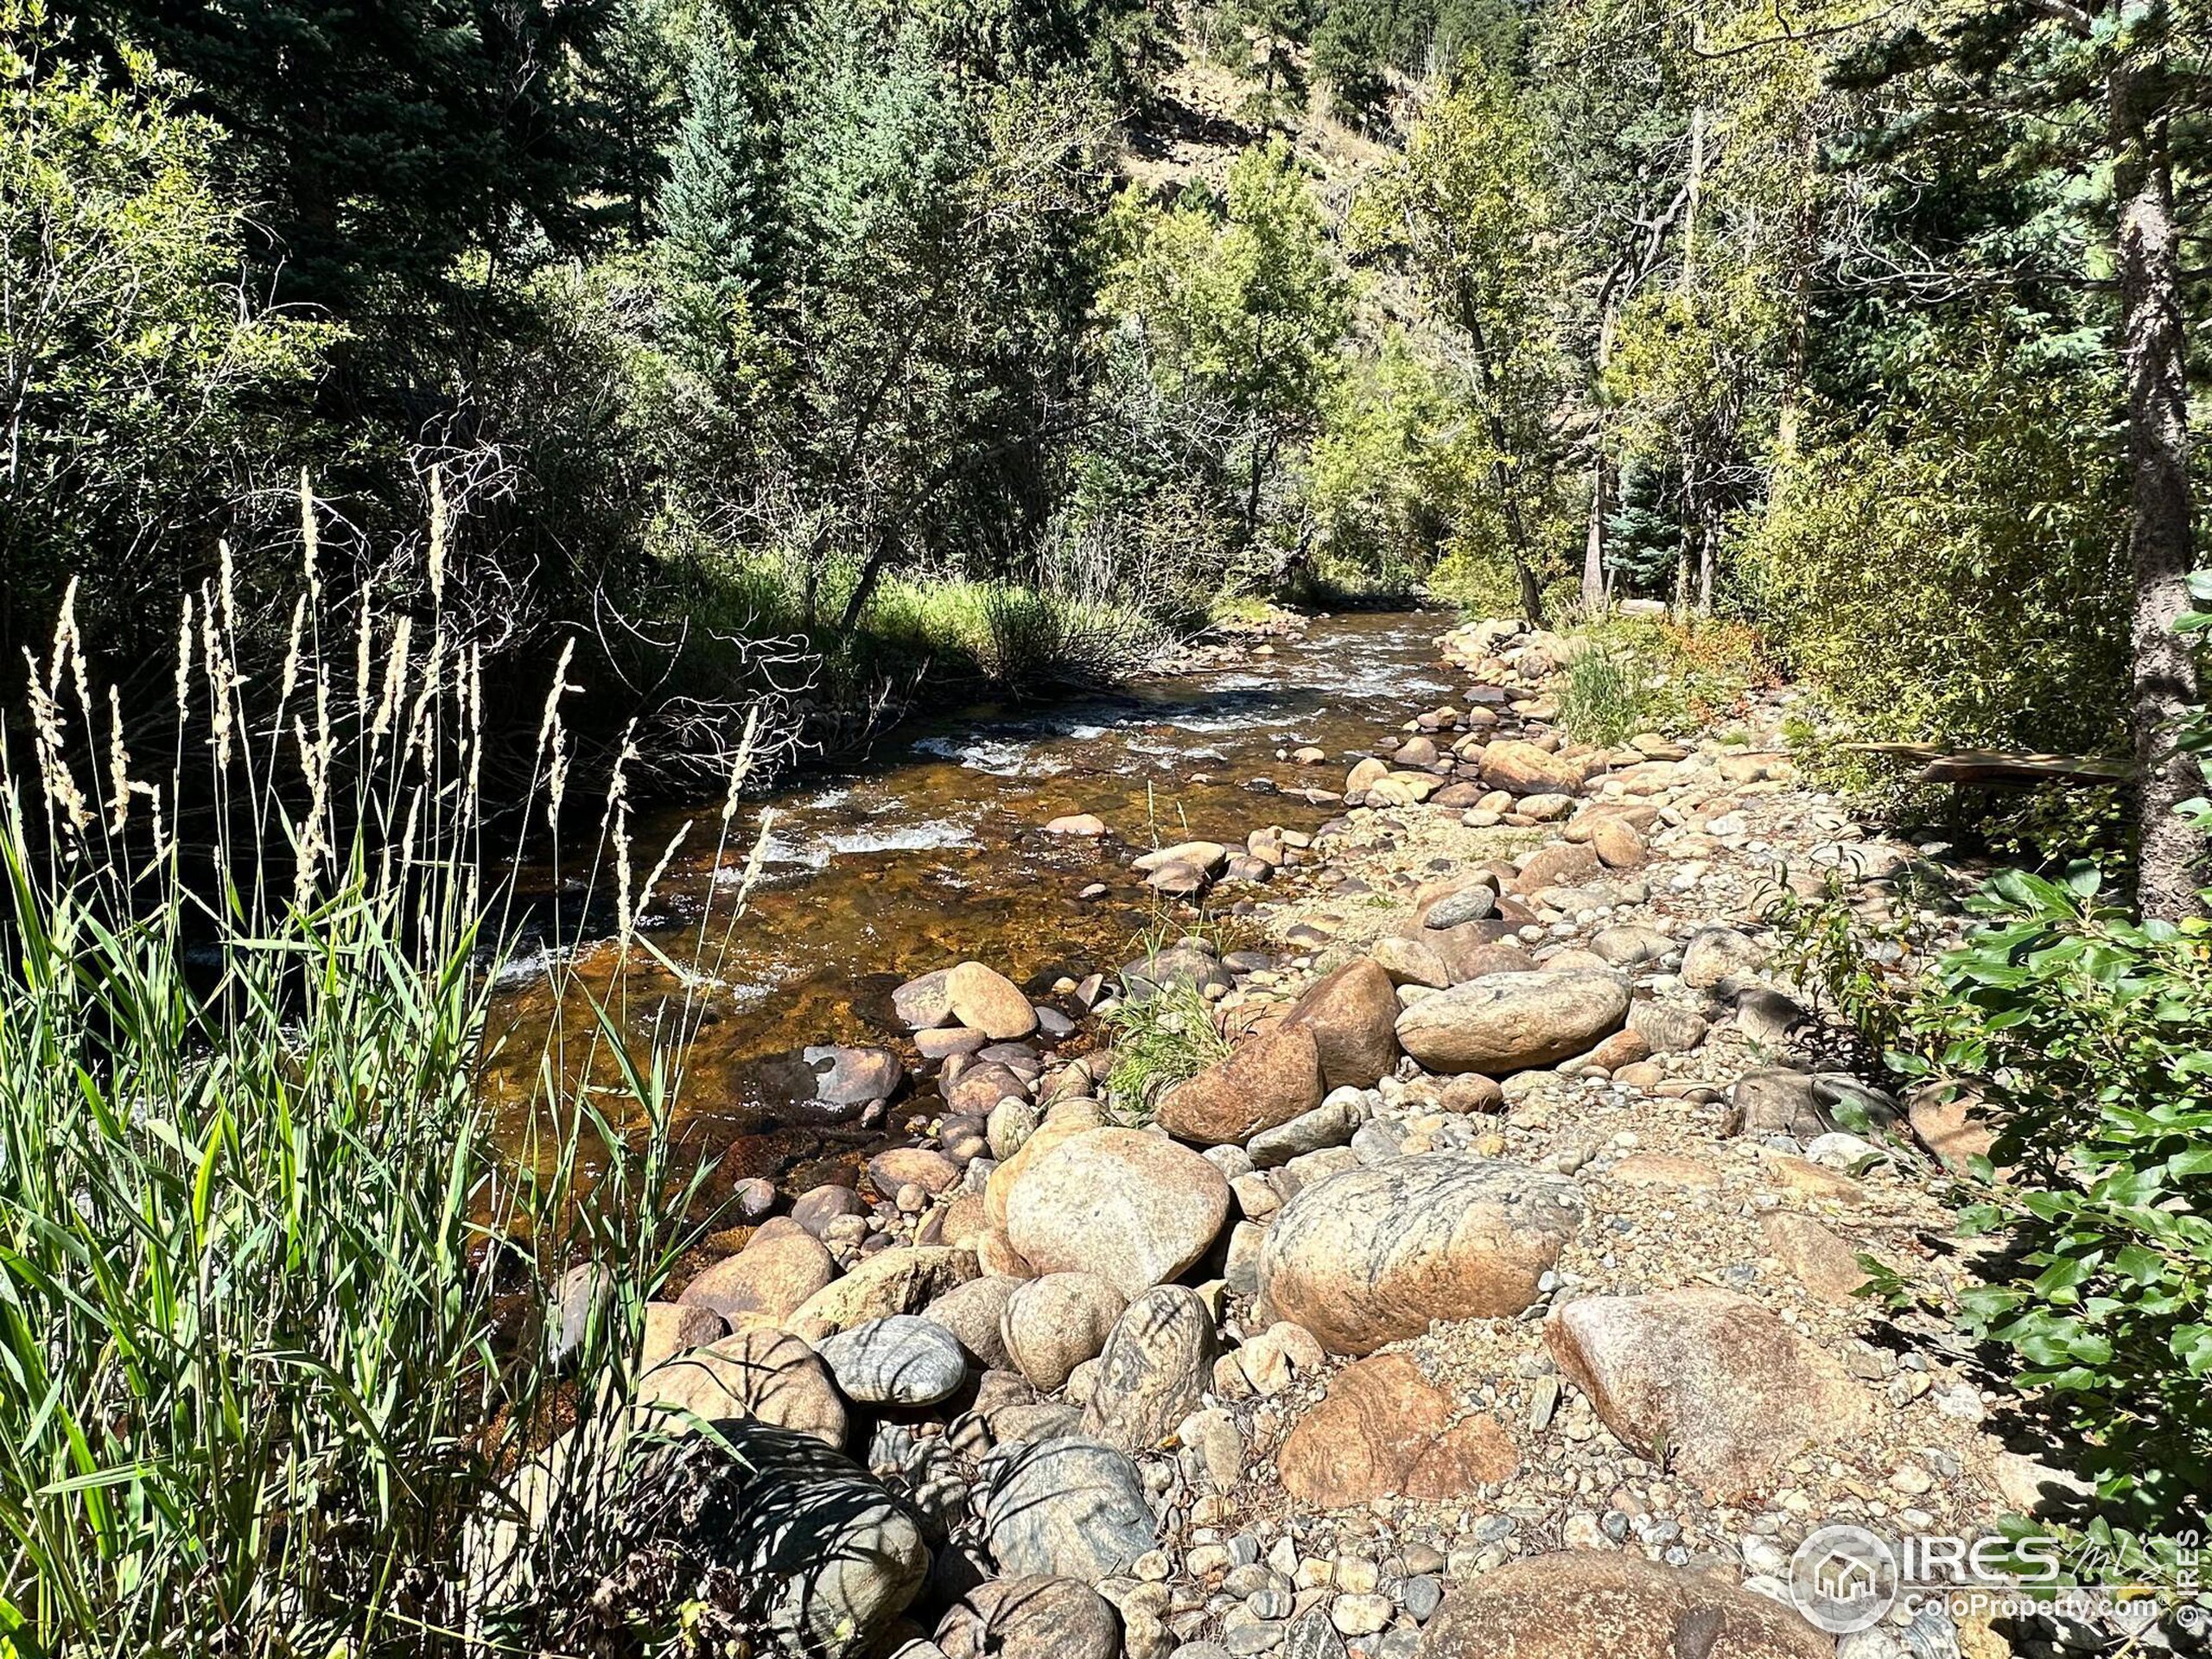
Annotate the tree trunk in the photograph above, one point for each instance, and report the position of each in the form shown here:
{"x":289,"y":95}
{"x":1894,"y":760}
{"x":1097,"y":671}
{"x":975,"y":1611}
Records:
{"x":863,"y":590}
{"x":2160,"y":529}
{"x":1594,"y":545}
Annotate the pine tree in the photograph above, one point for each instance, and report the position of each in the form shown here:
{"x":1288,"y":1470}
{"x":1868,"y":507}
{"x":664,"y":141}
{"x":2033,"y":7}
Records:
{"x":717,"y":203}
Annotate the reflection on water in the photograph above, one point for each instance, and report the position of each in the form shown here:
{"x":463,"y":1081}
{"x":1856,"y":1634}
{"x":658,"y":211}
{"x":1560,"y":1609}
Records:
{"x":932,"y":848}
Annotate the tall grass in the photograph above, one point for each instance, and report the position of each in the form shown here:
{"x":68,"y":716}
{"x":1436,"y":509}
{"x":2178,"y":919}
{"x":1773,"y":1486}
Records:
{"x":279,"y":1317}
{"x":1603,"y":695}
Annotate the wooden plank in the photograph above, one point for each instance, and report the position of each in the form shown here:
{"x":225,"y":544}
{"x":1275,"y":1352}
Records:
{"x":1942,"y":765}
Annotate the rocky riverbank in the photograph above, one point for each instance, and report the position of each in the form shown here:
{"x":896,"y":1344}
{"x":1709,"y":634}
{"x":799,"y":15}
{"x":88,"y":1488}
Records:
{"x":1494,"y":1294}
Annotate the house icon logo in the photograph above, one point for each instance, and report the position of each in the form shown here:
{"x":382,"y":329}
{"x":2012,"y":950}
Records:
{"x":1843,"y":1579}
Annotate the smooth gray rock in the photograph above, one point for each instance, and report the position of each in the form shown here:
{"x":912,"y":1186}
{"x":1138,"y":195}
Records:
{"x":903,"y":1360}
{"x":1475,"y":904}
{"x":1072,"y":1508}
{"x":1329,"y":1124}
{"x":822,"y":1556}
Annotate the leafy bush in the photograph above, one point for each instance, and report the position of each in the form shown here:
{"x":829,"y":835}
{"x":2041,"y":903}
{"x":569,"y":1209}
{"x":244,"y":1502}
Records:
{"x":141,"y":372}
{"x":2090,"y":1039}
{"x":1953,"y":571}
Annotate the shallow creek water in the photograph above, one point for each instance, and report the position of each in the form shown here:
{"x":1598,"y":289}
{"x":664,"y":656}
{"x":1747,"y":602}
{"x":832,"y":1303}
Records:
{"x":932,"y":848}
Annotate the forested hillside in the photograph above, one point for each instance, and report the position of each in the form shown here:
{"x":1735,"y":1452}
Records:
{"x":782,"y":350}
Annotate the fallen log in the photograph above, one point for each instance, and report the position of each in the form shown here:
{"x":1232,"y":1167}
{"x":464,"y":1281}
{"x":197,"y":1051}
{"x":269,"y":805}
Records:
{"x":1945,"y":765}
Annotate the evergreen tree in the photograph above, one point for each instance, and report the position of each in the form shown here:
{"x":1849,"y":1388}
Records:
{"x":716,"y":204}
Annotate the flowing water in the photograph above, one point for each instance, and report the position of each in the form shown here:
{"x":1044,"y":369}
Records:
{"x":932,"y":848}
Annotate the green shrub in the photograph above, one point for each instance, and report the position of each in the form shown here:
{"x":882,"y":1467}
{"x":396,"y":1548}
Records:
{"x":2089,"y":1038}
{"x":1955,"y":569}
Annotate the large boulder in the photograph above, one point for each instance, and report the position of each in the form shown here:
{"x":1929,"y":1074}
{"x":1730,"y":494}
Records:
{"x":1035,"y":1618}
{"x":1732,"y":1392}
{"x":773,"y":1276}
{"x":1054,"y":1323}
{"x":985,"y":1000}
{"x":1350,"y":1013}
{"x":1386,"y":1431}
{"x":1133,"y":1207}
{"x":904,"y":1280}
{"x":1503,"y":1023}
{"x":972,"y":1312}
{"x":807,"y":1548}
{"x":1577,"y":1604}
{"x":1373,"y":1254}
{"x":1266,"y":1081}
{"x":1522,"y":768}
{"x":1061,"y":1124}
{"x":1070,"y":1507}
{"x":766,"y":1376}
{"x":899,"y":1361}
{"x":1157,"y":1361}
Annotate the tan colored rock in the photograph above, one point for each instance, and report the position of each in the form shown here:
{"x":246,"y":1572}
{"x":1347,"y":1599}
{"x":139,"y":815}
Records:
{"x":1599,"y":1605}
{"x":779,"y":1269}
{"x":1265,"y":1082}
{"x":1403,"y":789}
{"x":1386,"y":1431}
{"x":903,"y":1280}
{"x":1367,"y":773}
{"x":1729,"y":1391}
{"x":1815,"y":1257}
{"x":1132,"y":1206}
{"x":1035,"y":1618}
{"x":770,"y":1376}
{"x":1504,"y":1023}
{"x":1055,"y":1129}
{"x":1952,"y":1130}
{"x":1618,"y":843}
{"x":1562,"y":864}
{"x":1411,"y":962}
{"x":1375,"y":1253}
{"x":673,"y":1328}
{"x":974,"y":1312}
{"x":1054,"y":1323}
{"x":988,"y":1001}
{"x":896,"y":1167}
{"x":1523,"y":768}
{"x":995,"y":1254}
{"x":1352,"y":1013}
